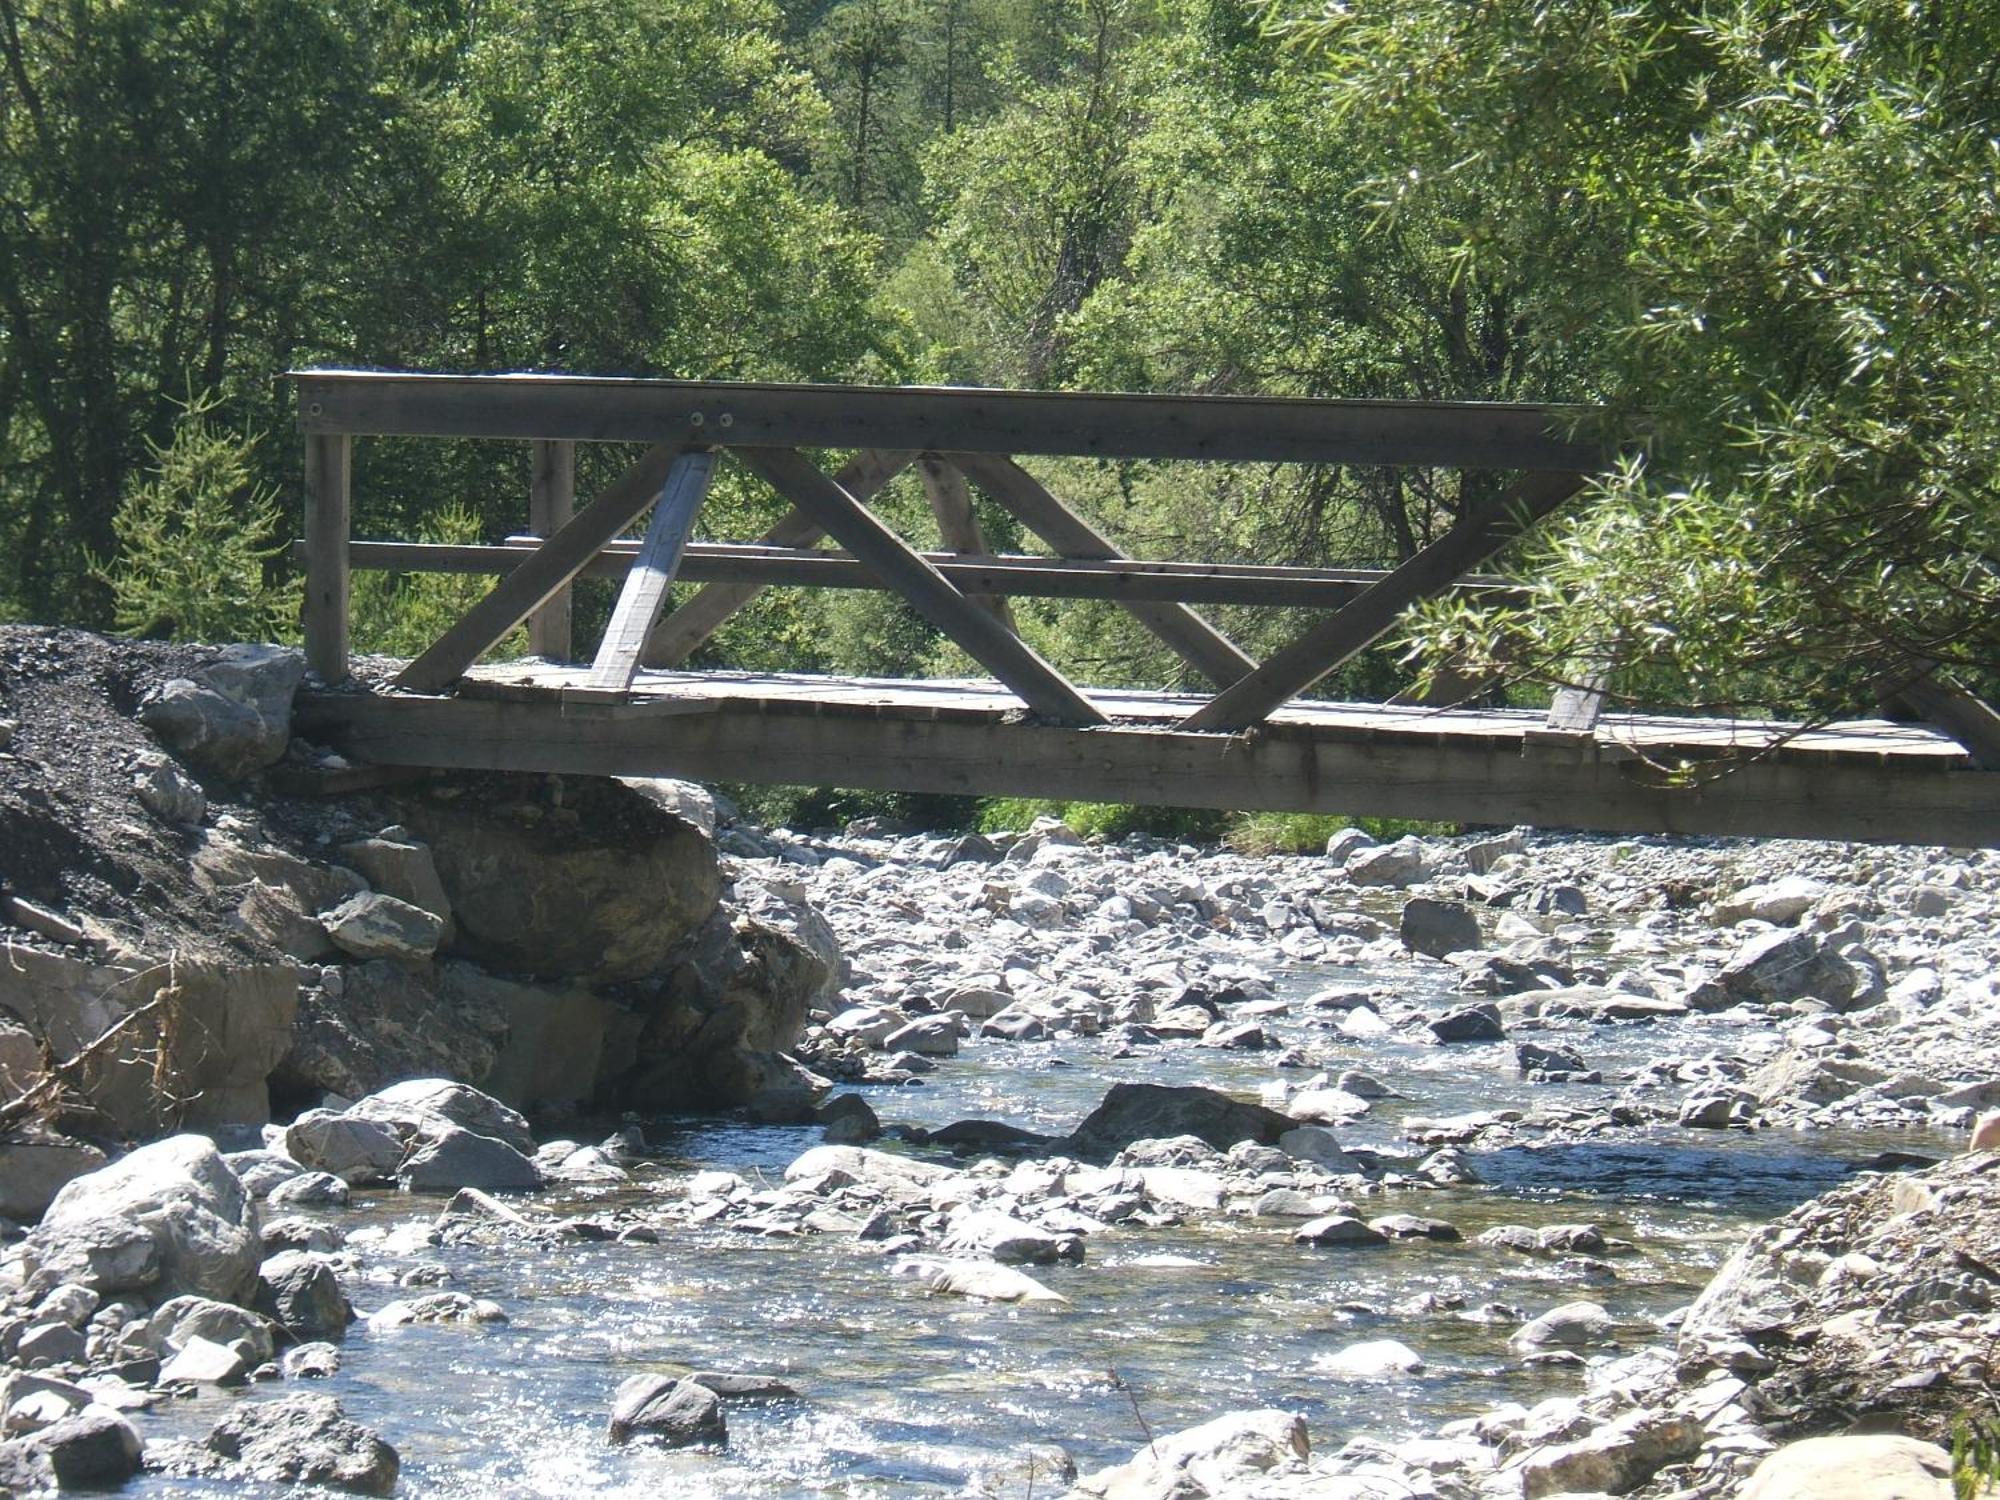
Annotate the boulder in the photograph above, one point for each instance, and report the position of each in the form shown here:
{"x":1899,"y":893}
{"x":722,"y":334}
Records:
{"x":1143,"y":1111}
{"x":402,"y":867}
{"x":1337,"y":1229}
{"x":1573,"y":1325}
{"x":373,"y":925}
{"x":602,"y":887}
{"x":1334,"y":1106}
{"x":417,"y":1105}
{"x":1874,"y":1466}
{"x":1469,"y":1023}
{"x":1404,"y":862}
{"x":1612,"y":1459}
{"x":689,"y":801}
{"x":202,"y":1361}
{"x":96,"y":1449}
{"x":233,"y":716}
{"x":674,"y":1413}
{"x":1779,"y":902}
{"x":306,"y":1440}
{"x":170,"y":1218}
{"x":448,"y":1157}
{"x":353,"y":1148}
{"x":166,"y":791}
{"x":1436,"y":927}
{"x":992,"y":1235}
{"x":183,"y":1320}
{"x":1222,"y":1457}
{"x":985,"y":1280}
{"x":1375,"y":1359}
{"x":300,"y":1292}
{"x":735,"y":1004}
{"x":927,"y":1036}
{"x":1317,"y":1144}
{"x":35,"y":1165}
{"x":1779,"y":966}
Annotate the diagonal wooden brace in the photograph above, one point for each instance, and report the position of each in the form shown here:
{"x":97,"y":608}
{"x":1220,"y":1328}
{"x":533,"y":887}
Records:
{"x":554,"y":564}
{"x":683,"y":632}
{"x":1197,"y":642}
{"x":1367,"y":618}
{"x":984,"y":638}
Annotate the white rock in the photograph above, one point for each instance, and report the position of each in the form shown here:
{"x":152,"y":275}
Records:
{"x":1374,"y":1359}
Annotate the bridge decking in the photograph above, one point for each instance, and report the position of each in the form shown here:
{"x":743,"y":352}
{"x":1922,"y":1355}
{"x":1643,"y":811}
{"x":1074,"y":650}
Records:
{"x":1866,"y":780}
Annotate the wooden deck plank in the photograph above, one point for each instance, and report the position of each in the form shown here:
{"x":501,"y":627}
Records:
{"x":1648,"y":734}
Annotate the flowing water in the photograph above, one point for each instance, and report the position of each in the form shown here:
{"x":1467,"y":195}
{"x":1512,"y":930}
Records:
{"x":904,"y":1394}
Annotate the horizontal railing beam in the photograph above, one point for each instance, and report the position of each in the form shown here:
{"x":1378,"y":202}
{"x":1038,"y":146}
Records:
{"x":1248,"y":429}
{"x":1009,"y":574}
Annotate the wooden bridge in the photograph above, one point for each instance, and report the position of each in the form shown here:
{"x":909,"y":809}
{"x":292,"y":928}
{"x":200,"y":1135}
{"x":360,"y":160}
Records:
{"x":633,"y":709}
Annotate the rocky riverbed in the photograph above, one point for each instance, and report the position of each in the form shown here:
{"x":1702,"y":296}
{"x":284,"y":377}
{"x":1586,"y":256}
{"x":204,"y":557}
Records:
{"x":620,"y":1145}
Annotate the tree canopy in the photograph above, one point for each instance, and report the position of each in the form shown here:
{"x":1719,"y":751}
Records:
{"x":1762,"y":234}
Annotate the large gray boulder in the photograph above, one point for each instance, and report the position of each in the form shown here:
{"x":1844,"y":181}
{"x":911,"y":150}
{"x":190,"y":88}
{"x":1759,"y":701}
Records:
{"x":1435,"y":928}
{"x":353,"y":1148}
{"x":167,"y":1220}
{"x":1871,"y":1466}
{"x":306,"y":1440}
{"x":35,"y":1165}
{"x":414,"y":1106}
{"x":1223,"y":1457}
{"x":233,"y":716}
{"x":601,"y":887}
{"x":369,"y":1024}
{"x":1148,"y":1111}
{"x":448,"y":1157}
{"x":1780,"y":966}
{"x":300,"y":1292}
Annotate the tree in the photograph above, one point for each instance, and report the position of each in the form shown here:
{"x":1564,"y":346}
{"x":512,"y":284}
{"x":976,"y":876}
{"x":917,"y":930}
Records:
{"x":196,"y":540}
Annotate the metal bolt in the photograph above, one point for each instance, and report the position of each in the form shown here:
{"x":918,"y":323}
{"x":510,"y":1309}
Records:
{"x":695,"y":419}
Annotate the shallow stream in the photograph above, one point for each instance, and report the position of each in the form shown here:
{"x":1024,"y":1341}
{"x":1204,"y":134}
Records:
{"x":905,"y":1394}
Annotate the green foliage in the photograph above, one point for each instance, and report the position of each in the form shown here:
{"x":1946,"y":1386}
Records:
{"x":403,"y":614}
{"x":1100,"y":820}
{"x":1306,"y":833}
{"x":196,"y":540}
{"x":1975,"y":1456}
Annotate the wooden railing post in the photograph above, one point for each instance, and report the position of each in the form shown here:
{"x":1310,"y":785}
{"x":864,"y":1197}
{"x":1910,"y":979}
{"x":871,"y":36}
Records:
{"x":551,"y":502}
{"x":326,"y":536}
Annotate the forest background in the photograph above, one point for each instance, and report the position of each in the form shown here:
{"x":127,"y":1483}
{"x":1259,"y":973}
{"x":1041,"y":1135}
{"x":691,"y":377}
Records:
{"x":1765,"y":235}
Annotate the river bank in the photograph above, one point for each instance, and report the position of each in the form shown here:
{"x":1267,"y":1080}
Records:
{"x":1421,"y":1149}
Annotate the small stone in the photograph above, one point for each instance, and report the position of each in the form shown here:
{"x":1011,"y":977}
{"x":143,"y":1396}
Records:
{"x":1572,"y":1325}
{"x":319,"y":1361}
{"x":202,"y":1361}
{"x":1435,"y":928}
{"x":1471,"y":1023}
{"x":372,"y":925}
{"x":167,"y":791}
{"x":50,"y":1344}
{"x":1337,"y":1229}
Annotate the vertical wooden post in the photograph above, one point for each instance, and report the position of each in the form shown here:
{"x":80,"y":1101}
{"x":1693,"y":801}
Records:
{"x":551,"y":502}
{"x":325,"y":622}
